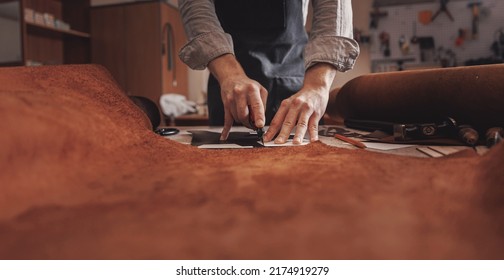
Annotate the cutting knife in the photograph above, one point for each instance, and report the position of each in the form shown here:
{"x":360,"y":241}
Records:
{"x":259,"y":131}
{"x":260,"y":134}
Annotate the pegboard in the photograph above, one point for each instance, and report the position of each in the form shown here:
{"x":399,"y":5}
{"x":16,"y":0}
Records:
{"x":400,"y":22}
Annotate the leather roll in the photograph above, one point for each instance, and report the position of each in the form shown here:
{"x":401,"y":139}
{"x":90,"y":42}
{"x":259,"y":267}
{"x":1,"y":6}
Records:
{"x":472,"y":95}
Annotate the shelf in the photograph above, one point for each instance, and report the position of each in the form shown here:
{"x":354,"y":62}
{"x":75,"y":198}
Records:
{"x":48,"y":40}
{"x":63,"y":31}
{"x":10,"y":64}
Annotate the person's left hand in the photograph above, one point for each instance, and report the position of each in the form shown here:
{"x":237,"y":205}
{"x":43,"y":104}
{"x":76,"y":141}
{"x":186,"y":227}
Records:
{"x":304,"y":109}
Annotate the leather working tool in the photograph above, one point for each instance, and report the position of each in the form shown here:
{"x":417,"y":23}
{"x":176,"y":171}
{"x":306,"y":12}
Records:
{"x":468,"y":135}
{"x":402,"y":132}
{"x":494,"y":136}
{"x":260,"y":134}
{"x":260,"y":131}
{"x":424,"y":130}
{"x":165,"y":131}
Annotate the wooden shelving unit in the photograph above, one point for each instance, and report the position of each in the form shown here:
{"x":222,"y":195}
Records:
{"x":58,"y":30}
{"x":43,"y":44}
{"x":138,"y":43}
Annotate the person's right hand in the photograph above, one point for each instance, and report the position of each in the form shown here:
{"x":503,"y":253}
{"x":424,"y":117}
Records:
{"x":244,"y":101}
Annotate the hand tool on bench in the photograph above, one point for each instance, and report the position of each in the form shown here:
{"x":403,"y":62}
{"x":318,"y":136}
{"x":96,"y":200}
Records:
{"x":403,"y":131}
{"x":356,"y":143}
{"x":259,"y":131}
{"x":494,"y":136}
{"x":468,"y":135}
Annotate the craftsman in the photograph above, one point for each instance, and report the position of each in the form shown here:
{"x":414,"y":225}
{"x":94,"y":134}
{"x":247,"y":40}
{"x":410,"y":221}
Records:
{"x":254,"y":50}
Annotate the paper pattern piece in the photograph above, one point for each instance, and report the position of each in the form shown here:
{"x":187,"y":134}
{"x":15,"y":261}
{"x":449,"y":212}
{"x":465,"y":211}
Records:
{"x":429,"y":152}
{"x":287,"y":144}
{"x":224,"y":146}
{"x":444,"y":150}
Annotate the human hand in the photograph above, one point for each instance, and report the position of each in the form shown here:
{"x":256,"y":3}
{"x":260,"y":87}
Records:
{"x":304,"y":109}
{"x":244,"y":101}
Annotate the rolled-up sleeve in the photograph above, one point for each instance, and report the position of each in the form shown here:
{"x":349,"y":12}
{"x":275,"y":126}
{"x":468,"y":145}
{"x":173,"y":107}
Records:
{"x":206,"y":38}
{"x":331,"y":38}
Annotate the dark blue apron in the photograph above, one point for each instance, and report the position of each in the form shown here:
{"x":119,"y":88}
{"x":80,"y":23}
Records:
{"x":269,"y":38}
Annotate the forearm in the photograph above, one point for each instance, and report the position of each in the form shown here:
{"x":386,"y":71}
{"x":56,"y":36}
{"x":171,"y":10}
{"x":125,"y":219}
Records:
{"x":225,"y":66}
{"x":319,"y":77}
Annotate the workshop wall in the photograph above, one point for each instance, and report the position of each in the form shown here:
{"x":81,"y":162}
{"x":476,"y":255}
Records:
{"x":400,"y":20}
{"x":361,"y":10}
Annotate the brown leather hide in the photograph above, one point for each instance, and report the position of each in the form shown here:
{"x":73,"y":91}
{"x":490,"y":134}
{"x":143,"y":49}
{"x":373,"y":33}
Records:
{"x":83,"y":177}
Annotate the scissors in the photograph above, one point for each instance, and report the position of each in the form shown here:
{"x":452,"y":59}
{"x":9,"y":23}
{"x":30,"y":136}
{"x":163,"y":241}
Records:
{"x":166,"y":131}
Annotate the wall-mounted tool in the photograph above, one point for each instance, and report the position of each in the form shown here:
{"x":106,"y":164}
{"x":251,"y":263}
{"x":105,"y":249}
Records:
{"x":446,"y":57}
{"x":475,"y":9}
{"x":404,"y":45}
{"x":425,"y":17}
{"x":414,"y":38}
{"x":498,"y":45}
{"x":385,"y":43}
{"x":375,"y":15}
{"x":360,"y":37}
{"x":443,"y":9}
{"x":461,"y":37}
{"x":427,"y":48}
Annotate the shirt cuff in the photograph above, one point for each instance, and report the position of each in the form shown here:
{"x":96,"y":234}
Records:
{"x":202,"y":49}
{"x":341,"y":52}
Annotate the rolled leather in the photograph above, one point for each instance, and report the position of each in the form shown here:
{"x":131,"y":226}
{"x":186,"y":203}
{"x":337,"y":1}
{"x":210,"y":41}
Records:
{"x":472,"y":95}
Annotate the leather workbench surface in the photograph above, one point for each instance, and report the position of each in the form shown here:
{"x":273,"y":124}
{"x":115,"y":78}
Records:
{"x":185,"y":136}
{"x":83,"y":177}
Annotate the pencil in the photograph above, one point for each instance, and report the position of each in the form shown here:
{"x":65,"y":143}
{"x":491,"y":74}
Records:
{"x":356,"y":143}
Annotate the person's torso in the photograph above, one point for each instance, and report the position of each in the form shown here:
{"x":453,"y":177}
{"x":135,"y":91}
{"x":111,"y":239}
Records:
{"x":268,"y":35}
{"x":269,"y":38}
